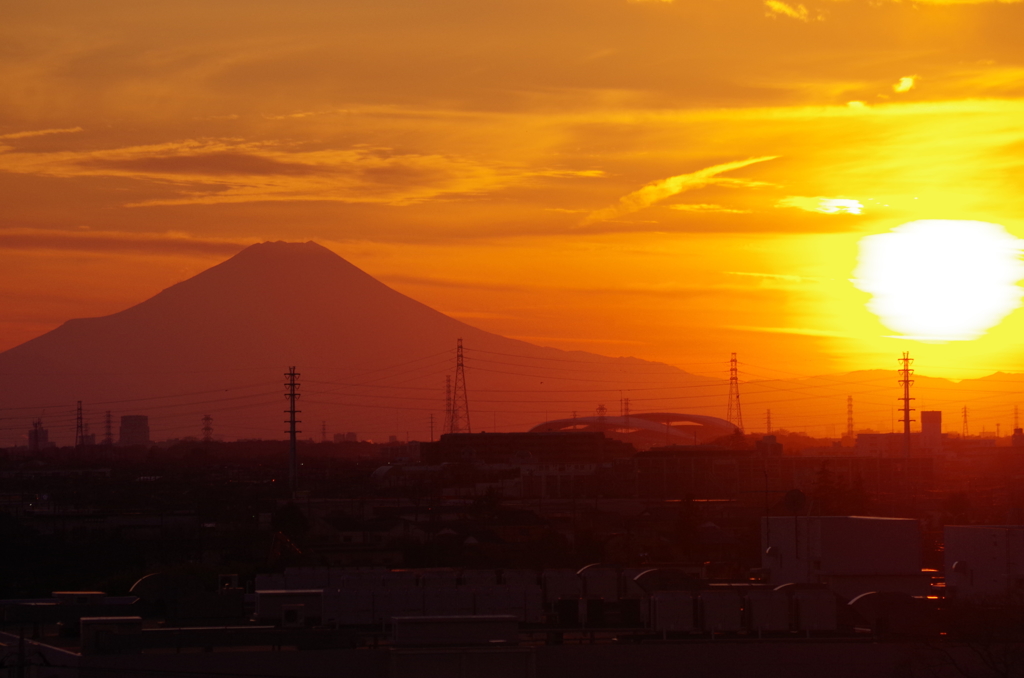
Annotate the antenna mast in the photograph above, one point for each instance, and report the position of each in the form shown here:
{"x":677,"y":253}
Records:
{"x":734,"y":415}
{"x":906,"y":382}
{"x":292,"y":394}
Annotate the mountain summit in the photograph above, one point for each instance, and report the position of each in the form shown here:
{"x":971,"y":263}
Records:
{"x":372,"y":359}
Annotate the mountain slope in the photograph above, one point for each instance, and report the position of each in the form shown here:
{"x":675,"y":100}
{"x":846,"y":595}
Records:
{"x":225,"y":336}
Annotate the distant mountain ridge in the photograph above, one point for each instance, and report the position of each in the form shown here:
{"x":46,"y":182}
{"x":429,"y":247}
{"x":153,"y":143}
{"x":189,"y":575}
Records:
{"x":271,"y":306}
{"x":374,"y":361}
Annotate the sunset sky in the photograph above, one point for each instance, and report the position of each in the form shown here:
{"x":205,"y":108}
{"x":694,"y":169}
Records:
{"x":670,"y":180}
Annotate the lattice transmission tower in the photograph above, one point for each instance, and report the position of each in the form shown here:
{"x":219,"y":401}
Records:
{"x":207,"y":428}
{"x":460,"y":398}
{"x":291,"y":393}
{"x":849,"y":416}
{"x":734,"y":415}
{"x":906,"y":382}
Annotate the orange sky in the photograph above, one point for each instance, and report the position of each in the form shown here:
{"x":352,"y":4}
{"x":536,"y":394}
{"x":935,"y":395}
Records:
{"x":631,"y":178}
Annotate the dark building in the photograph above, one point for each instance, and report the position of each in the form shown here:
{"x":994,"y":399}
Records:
{"x":38,"y":437}
{"x":134,"y":430}
{"x":524,"y":448}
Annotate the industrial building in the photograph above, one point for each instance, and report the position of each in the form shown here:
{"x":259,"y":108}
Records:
{"x":134,"y":430}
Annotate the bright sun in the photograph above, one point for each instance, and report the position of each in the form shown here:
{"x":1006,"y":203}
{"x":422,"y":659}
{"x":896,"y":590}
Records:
{"x":938,"y":280}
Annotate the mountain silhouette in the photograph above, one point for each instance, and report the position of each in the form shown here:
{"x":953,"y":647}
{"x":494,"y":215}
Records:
{"x":372,"y":360}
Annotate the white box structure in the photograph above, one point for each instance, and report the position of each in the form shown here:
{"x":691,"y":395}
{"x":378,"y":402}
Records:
{"x":672,"y":611}
{"x":851,"y":554}
{"x":768,"y":610}
{"x":985,"y":563}
{"x":721,"y":611}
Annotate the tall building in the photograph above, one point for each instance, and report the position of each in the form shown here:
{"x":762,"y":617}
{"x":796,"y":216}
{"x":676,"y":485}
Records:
{"x":134,"y":430}
{"x":931,"y":432}
{"x":38,"y":437}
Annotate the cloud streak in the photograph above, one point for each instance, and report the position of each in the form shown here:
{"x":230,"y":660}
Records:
{"x":218,"y":171}
{"x":778,"y":8}
{"x":40,"y":133}
{"x":822,"y":204}
{"x":25,"y":239}
{"x":666,"y":188}
{"x":704,"y":208}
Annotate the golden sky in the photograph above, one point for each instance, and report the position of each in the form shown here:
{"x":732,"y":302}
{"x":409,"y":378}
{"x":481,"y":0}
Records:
{"x":670,"y":180}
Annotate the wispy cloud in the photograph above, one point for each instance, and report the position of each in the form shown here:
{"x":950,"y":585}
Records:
{"x":706,"y":208}
{"x":805,"y":331}
{"x":964,"y":2}
{"x":822,"y":204}
{"x":216,"y":171}
{"x":40,"y":132}
{"x":779,"y":8}
{"x":116,"y":241}
{"x":772,"y":276}
{"x":905,"y":84}
{"x":666,"y":188}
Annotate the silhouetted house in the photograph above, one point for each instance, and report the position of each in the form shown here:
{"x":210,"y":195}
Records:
{"x":524,"y":448}
{"x":134,"y":430}
{"x":769,"y":446}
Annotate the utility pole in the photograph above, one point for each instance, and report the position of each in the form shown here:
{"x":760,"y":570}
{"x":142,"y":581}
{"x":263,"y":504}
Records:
{"x":108,"y":430}
{"x":849,"y":417}
{"x":625,"y":413}
{"x":447,"y":426}
{"x":79,"y":428}
{"x":291,"y":393}
{"x":207,"y":428}
{"x":906,"y":382}
{"x":460,"y":399}
{"x":964,"y":411}
{"x":733,"y":414}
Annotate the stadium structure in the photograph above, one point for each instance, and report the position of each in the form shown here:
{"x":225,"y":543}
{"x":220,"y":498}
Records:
{"x":648,"y":429}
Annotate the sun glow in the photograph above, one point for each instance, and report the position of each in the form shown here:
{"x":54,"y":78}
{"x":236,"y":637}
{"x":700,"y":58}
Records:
{"x":940,"y":280}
